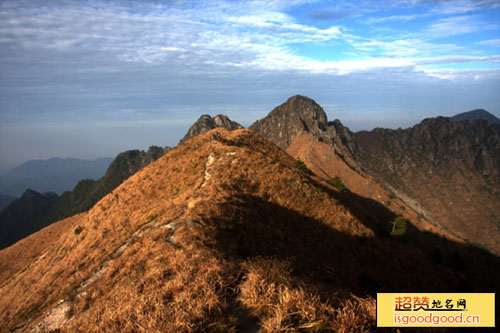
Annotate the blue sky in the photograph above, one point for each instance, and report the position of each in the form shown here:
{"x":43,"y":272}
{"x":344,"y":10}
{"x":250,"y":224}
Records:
{"x":93,"y":78}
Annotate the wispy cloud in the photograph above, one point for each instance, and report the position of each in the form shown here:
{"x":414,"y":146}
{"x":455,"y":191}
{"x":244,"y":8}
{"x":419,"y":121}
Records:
{"x":371,"y":20}
{"x":458,"y":25}
{"x":490,"y":42}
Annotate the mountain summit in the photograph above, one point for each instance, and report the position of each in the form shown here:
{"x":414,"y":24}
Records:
{"x":300,"y":114}
{"x":206,"y":123}
{"x":285,"y":122}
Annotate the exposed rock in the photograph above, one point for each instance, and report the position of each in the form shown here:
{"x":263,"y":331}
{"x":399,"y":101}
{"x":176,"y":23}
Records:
{"x":301,"y":114}
{"x":452,"y":168}
{"x":206,"y":123}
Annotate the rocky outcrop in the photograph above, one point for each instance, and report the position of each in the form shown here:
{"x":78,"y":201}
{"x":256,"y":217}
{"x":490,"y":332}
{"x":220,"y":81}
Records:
{"x":206,"y":123}
{"x":300,"y":114}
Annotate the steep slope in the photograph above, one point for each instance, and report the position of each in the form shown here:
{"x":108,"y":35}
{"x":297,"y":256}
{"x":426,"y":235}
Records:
{"x":300,"y":126}
{"x":28,"y":217}
{"x":322,"y":160}
{"x":451,"y":168}
{"x":478,"y":114}
{"x":222,"y":233}
{"x":206,"y":123}
{"x":88,"y":192}
{"x":54,"y":175}
{"x":29,"y":210}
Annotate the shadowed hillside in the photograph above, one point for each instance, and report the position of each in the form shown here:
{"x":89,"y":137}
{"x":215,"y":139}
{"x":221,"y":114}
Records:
{"x":442,"y":174}
{"x":451,"y":168}
{"x":30,"y":210}
{"x":225,"y":233}
{"x":29,"y":214}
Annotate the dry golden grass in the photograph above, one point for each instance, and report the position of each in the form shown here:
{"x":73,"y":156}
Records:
{"x":322,"y":160}
{"x":283,"y":304}
{"x":272,"y":249}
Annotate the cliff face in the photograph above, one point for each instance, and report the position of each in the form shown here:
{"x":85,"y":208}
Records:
{"x":206,"y":123}
{"x":451,"y":168}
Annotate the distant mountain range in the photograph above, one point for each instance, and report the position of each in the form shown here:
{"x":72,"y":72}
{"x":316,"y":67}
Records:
{"x":33,"y":210}
{"x":478,"y":114}
{"x":54,"y":175}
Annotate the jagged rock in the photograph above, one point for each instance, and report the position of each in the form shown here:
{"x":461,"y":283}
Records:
{"x":206,"y":123}
{"x":301,"y":114}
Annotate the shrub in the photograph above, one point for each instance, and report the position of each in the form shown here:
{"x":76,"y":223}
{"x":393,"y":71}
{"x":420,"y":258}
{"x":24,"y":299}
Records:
{"x":78,"y":230}
{"x":302,"y":166}
{"x":338,"y":183}
{"x":399,"y":226}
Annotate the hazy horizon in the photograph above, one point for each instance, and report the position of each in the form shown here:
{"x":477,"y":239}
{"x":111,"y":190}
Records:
{"x":93,"y":79}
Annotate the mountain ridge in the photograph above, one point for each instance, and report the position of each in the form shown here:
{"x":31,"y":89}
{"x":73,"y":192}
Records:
{"x":27,"y":216}
{"x":222,"y":231}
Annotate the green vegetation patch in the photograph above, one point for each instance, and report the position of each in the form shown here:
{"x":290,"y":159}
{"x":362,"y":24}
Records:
{"x":78,"y":230}
{"x":338,"y":183}
{"x":299,"y":164}
{"x":399,"y":226}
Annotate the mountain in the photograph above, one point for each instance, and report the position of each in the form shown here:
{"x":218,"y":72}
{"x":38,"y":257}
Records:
{"x":5,"y":200}
{"x":300,"y":126}
{"x":452,"y":169}
{"x":206,"y":123}
{"x":478,"y":114}
{"x":425,"y":173}
{"x":54,"y":175}
{"x":300,"y":114}
{"x":84,"y":195}
{"x":29,"y":210}
{"x":225,"y":233}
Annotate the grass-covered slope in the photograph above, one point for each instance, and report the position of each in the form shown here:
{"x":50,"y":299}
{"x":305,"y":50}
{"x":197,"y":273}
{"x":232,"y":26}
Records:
{"x":223,"y":233}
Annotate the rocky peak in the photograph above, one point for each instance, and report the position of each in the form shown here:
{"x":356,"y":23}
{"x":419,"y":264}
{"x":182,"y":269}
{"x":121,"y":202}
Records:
{"x":206,"y":123}
{"x":283,"y":124}
{"x":301,"y":114}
